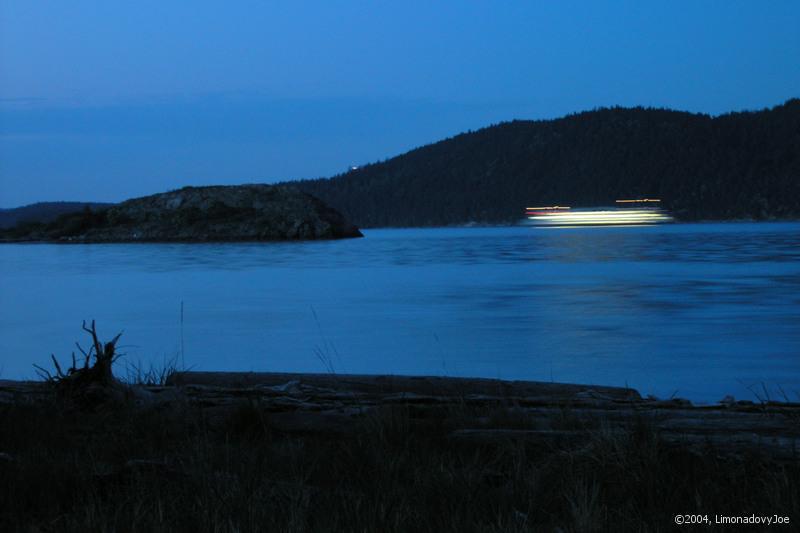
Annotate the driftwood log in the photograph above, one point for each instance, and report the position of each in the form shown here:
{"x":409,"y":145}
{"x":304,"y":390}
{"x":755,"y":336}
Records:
{"x":336,"y":403}
{"x":479,"y":410}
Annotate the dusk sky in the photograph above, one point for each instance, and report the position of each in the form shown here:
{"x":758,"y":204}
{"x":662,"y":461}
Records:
{"x":102,"y":101}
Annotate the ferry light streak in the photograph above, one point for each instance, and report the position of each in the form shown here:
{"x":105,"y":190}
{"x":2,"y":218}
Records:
{"x":644,"y":216}
{"x":643,"y":200}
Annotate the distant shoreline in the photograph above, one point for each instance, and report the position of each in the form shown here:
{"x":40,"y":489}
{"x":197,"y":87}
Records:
{"x":454,"y":226}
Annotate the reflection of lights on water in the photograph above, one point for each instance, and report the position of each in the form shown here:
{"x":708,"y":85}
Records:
{"x":567,"y":226}
{"x":566,"y":217}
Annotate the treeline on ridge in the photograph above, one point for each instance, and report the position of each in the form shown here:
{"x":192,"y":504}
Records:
{"x":44,"y":212}
{"x":743,"y":165}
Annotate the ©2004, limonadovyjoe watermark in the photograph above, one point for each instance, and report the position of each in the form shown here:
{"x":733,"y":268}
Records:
{"x":753,"y":519}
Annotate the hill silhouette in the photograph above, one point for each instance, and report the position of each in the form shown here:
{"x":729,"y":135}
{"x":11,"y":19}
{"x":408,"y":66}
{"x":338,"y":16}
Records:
{"x":44,"y":212}
{"x":743,"y":165}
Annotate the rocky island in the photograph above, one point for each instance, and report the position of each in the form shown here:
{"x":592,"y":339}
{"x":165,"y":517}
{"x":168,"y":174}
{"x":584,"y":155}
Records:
{"x":197,"y":214}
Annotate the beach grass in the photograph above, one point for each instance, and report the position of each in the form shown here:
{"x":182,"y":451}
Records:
{"x":180,"y":468}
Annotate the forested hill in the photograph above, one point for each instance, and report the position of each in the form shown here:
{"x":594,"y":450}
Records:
{"x":44,"y":212}
{"x":734,"y":166}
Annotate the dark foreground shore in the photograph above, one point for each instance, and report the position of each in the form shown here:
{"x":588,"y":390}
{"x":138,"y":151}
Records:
{"x":303,"y":452}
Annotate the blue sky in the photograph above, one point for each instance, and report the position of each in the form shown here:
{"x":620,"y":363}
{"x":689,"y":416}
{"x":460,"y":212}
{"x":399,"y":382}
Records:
{"x":108,"y":100}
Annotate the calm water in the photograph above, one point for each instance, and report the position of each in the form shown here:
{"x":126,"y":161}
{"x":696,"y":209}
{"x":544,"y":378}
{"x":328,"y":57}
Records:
{"x":697,"y":310}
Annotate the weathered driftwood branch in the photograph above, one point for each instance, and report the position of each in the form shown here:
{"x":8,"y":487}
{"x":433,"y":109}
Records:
{"x":99,"y":373}
{"x":91,"y":385}
{"x":104,"y":357}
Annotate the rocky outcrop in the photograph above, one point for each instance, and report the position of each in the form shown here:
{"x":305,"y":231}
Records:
{"x":203,"y":214}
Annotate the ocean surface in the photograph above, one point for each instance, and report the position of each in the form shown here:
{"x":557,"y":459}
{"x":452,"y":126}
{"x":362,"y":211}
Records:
{"x":698,"y":311}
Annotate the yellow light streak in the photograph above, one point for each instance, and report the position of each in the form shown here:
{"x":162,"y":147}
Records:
{"x":638,"y":201}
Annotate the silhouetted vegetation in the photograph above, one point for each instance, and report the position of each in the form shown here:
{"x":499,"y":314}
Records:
{"x":65,"y":225}
{"x":735,"y":166}
{"x":44,"y":212}
{"x":183,"y":469}
{"x":172,"y":451}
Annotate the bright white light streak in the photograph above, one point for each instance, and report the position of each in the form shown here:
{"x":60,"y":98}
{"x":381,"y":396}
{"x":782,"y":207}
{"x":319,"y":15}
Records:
{"x":585,"y":218}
